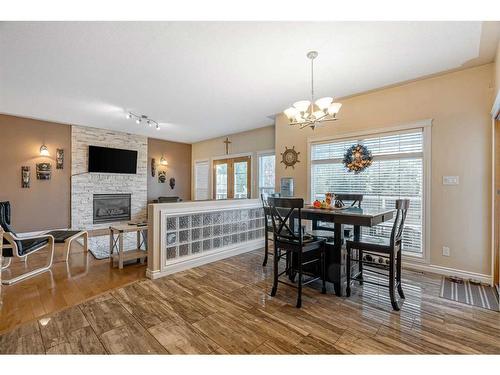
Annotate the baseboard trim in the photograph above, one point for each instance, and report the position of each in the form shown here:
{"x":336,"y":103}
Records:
{"x":204,"y":259}
{"x":445,"y":271}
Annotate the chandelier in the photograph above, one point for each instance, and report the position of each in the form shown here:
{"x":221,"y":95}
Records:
{"x":310,"y":113}
{"x":143,"y":118}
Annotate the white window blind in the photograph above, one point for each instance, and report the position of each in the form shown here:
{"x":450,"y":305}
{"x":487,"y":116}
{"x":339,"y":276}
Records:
{"x":396,"y":172}
{"x":266,"y":173}
{"x":201,"y":172}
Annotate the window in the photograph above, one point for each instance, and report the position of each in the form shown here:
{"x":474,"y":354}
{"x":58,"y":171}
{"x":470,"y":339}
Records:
{"x":396,"y":172}
{"x":266,"y":173}
{"x":232,"y":178}
{"x":201,"y":180}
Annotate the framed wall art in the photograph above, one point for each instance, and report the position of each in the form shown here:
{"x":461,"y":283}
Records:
{"x":59,"y":158}
{"x":43,"y":171}
{"x":25,"y":176}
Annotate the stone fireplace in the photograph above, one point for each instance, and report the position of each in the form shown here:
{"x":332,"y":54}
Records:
{"x":111,"y":208}
{"x":99,"y":200}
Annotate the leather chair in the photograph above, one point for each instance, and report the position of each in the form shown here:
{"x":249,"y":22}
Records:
{"x":21,"y":247}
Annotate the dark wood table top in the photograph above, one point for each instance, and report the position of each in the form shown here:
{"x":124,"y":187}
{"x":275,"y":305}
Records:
{"x":353,"y":215}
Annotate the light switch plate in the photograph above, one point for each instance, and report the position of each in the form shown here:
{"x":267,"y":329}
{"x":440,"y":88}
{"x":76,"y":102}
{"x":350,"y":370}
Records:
{"x":446,"y":251}
{"x":450,"y":180}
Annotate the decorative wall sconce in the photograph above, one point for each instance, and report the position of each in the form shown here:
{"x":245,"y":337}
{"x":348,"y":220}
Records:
{"x":163,"y":161}
{"x":44,"y":151}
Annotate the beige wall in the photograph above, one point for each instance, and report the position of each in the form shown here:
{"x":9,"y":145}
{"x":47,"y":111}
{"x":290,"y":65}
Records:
{"x":46,"y":204}
{"x":497,"y":71}
{"x":178,"y":156}
{"x":253,"y":141}
{"x":459,"y":104}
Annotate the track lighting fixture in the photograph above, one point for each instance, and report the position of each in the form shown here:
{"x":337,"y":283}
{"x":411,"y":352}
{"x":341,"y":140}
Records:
{"x":140,"y":118}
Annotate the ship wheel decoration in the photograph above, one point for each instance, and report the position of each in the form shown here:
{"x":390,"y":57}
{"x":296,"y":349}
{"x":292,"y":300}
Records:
{"x":290,"y":157}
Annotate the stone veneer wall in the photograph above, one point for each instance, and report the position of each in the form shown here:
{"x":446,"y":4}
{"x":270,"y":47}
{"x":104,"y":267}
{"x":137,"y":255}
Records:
{"x":84,"y":185}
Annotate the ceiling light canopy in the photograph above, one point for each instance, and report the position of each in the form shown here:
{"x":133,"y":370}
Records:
{"x":310,"y":112}
{"x":140,"y":118}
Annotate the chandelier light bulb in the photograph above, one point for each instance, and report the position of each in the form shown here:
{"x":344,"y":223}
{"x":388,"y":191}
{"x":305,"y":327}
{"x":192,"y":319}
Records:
{"x":138,"y":121}
{"x":291,"y":113}
{"x":302,"y":105}
{"x":324,"y":103}
{"x":334,"y":108}
{"x":157,"y":127}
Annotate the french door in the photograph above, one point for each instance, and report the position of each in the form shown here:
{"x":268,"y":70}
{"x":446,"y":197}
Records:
{"x":231,"y":178}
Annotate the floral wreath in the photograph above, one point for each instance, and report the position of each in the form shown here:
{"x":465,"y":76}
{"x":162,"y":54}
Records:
{"x":357,"y":158}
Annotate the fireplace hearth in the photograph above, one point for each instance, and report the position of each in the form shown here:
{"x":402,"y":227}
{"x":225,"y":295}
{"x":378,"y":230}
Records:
{"x":111,"y":208}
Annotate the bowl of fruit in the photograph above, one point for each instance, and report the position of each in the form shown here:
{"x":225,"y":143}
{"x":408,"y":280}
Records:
{"x":320,"y":204}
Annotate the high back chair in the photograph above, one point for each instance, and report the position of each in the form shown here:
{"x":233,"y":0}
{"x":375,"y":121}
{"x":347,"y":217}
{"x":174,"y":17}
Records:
{"x":388,"y":249}
{"x":355,"y":199}
{"x":299,"y":250}
{"x":21,"y":247}
{"x":267,"y":223}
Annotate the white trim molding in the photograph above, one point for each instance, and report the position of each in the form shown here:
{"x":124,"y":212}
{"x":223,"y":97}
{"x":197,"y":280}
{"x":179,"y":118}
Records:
{"x":379,"y":130}
{"x":445,"y":271}
{"x":205,"y":259}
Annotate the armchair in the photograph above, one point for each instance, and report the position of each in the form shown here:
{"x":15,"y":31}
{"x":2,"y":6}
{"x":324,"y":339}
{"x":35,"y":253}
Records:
{"x":21,"y":247}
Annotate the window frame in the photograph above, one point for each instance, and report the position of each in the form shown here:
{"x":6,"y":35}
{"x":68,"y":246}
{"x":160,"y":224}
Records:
{"x":259,"y":155}
{"x":200,"y":161}
{"x":426,"y":126}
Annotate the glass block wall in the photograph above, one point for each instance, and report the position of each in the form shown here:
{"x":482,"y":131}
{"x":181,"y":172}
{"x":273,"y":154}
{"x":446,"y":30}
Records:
{"x":195,"y":233}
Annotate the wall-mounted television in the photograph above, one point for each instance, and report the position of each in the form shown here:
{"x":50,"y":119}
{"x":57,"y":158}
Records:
{"x":112,"y":160}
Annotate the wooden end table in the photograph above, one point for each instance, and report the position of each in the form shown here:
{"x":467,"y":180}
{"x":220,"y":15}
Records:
{"x":116,"y":233}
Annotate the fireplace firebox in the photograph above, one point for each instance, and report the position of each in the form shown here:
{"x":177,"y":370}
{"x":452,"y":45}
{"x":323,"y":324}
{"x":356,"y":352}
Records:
{"x":111,"y":207}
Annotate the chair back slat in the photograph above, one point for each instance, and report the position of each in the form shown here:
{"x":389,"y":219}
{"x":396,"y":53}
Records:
{"x":354,"y":198}
{"x":402,"y":206}
{"x":281,"y":210}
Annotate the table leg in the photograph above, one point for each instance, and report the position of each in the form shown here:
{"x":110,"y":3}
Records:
{"x":86,"y":243}
{"x":120,"y":251}
{"x":338,"y":240}
{"x":111,"y":245}
{"x":357,"y":237}
{"x":357,"y":232}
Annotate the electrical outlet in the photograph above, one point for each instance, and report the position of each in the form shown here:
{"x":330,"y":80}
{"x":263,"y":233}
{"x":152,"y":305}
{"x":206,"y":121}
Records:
{"x":446,"y":251}
{"x":450,"y":180}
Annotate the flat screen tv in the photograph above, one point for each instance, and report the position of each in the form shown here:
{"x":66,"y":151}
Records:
{"x":112,"y":160}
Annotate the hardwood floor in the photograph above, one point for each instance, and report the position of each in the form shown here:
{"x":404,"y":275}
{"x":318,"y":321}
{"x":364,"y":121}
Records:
{"x":60,"y":288}
{"x":225,"y":307}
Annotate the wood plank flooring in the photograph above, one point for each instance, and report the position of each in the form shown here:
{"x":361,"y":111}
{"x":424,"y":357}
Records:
{"x":224,"y":307}
{"x":61,"y":287}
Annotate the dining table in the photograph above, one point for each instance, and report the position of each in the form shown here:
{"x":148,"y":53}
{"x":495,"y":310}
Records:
{"x":356,"y":217}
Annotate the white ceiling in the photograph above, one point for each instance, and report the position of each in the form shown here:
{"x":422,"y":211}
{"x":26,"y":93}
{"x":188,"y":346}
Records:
{"x":206,"y":79}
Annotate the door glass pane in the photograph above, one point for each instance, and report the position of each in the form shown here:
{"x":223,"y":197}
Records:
{"x":240,"y":179}
{"x":266,"y":174}
{"x":221,"y":181}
